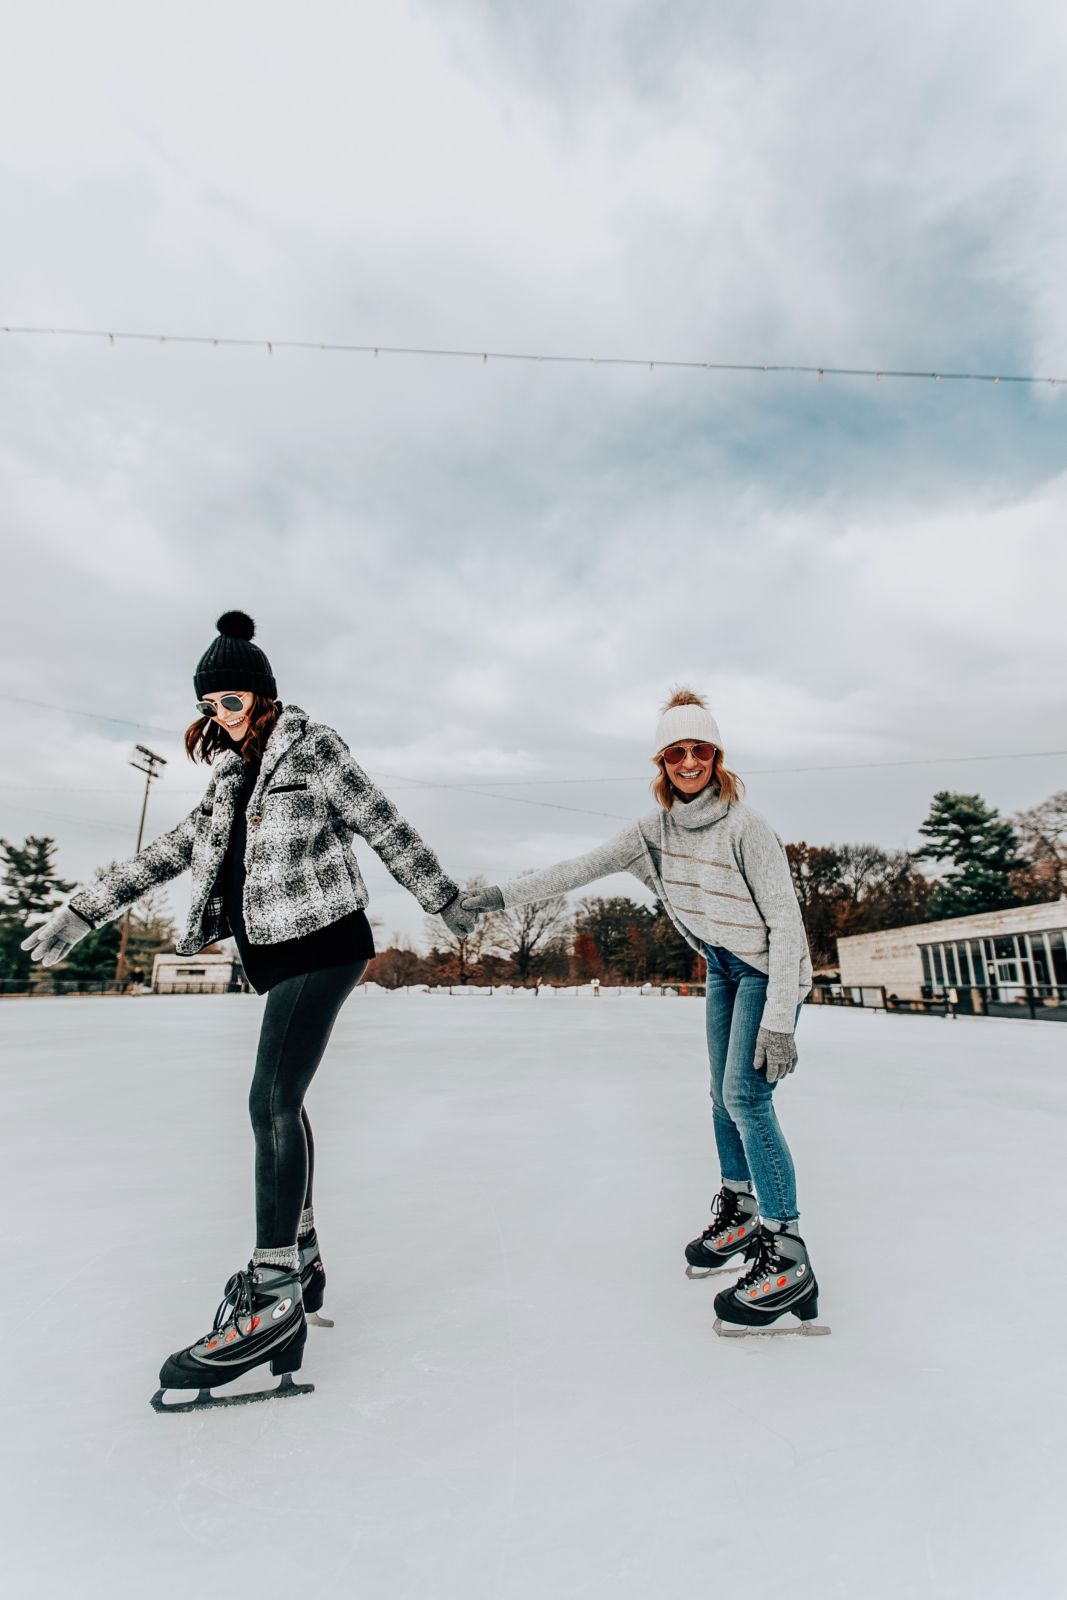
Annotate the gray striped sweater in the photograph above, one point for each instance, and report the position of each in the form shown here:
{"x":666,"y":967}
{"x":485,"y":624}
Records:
{"x":721,"y":874}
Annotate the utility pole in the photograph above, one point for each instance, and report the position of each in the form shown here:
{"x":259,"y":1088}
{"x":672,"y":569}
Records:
{"x":149,"y":765}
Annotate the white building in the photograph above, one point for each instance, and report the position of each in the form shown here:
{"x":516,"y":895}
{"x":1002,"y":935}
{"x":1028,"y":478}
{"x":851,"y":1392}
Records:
{"x":203,"y":974}
{"x":1002,"y":953}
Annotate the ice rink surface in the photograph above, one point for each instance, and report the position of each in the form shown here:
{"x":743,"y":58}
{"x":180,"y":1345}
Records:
{"x":522,"y":1398}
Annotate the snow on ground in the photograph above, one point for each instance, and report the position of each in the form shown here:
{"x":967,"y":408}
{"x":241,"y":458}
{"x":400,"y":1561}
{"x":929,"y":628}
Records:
{"x":523,"y":1398}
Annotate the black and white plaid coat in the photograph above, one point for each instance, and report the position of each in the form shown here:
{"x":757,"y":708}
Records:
{"x":300,"y":871}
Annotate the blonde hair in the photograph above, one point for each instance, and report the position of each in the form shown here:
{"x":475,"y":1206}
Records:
{"x":728,"y":784}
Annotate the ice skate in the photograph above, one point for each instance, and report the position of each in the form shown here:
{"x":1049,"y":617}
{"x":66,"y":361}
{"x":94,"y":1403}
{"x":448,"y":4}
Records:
{"x":779,"y":1282}
{"x":728,"y":1237}
{"x":260,"y":1319}
{"x":313,"y":1280}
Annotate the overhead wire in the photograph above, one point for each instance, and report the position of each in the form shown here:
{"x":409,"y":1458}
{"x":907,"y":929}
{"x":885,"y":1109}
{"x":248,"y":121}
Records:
{"x":651,"y":363}
{"x":485,"y":793}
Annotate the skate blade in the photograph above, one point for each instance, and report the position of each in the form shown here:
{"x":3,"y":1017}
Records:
{"x":713,"y":1272}
{"x":314,"y":1320}
{"x":803,"y":1330}
{"x":206,"y":1401}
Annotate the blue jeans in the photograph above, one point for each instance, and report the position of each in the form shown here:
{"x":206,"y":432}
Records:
{"x":749,"y":1141}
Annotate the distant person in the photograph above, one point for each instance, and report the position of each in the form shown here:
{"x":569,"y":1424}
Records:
{"x":723,"y":878}
{"x":269,"y":846}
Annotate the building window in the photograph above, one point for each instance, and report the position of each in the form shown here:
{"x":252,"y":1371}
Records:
{"x":1039,"y":964}
{"x":939,"y":970}
{"x":928,"y":971}
{"x":978,"y":962}
{"x":964,"y":961}
{"x":1058,"y":948}
{"x":950,"y":962}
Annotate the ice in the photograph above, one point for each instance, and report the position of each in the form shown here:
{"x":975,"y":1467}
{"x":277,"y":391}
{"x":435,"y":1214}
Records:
{"x":523,"y":1398}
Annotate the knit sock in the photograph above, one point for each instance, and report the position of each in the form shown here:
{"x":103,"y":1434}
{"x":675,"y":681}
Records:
{"x":777,"y":1226}
{"x":307,"y":1222}
{"x":284,"y":1256}
{"x":739,"y":1186}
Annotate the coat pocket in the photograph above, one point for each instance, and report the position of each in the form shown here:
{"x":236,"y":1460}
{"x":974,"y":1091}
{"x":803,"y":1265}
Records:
{"x":287,"y":788}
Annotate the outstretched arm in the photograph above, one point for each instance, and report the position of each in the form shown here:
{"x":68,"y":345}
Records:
{"x":363,"y":807}
{"x":113,"y":889}
{"x":625,"y":852}
{"x":116,"y":887}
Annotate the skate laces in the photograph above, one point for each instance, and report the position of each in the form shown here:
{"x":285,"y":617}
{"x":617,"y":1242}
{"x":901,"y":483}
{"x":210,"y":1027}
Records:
{"x":763,"y":1250}
{"x":236,"y":1302}
{"x":725,"y":1210}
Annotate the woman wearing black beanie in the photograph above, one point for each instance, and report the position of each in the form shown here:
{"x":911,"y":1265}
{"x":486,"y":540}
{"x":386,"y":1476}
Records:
{"x":269,"y":847}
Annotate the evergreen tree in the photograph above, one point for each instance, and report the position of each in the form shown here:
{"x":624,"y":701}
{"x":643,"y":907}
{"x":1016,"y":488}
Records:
{"x":30,"y":890}
{"x":93,"y":958}
{"x":983,"y":848}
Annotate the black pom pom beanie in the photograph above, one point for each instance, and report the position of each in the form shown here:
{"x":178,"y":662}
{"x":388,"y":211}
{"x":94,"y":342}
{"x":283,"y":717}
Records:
{"x":232,"y":661}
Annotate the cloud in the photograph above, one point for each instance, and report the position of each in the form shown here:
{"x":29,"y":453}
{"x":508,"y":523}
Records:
{"x":496,"y":572}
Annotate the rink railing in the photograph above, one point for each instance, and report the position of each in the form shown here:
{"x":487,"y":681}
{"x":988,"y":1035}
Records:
{"x":46,"y":987}
{"x":1037,"y":1002}
{"x":1040,"y":1002}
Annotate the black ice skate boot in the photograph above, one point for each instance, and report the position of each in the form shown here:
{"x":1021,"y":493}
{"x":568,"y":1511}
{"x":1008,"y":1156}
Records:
{"x":730,"y":1234}
{"x":780,"y":1280}
{"x":260,"y":1319}
{"x":313,"y":1280}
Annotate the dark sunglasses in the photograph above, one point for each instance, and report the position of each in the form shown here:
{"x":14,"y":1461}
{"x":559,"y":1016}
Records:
{"x":227,"y":702}
{"x":678,"y":752}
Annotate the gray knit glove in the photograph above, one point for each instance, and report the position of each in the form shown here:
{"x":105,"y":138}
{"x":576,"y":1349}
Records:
{"x":458,"y":919}
{"x":489,"y":899}
{"x":56,"y":938}
{"x":775,"y":1052}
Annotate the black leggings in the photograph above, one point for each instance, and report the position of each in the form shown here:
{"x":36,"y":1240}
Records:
{"x":297,"y":1022}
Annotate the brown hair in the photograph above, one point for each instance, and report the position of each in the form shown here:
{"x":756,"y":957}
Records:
{"x":729,"y":786}
{"x":204,"y":738}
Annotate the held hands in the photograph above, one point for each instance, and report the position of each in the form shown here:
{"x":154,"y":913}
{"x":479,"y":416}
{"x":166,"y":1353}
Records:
{"x":56,"y":938}
{"x":776,"y":1053}
{"x":458,"y":918}
{"x":489,"y":899}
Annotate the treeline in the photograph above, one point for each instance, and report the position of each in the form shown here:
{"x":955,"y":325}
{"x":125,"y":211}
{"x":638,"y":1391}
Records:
{"x":613,"y":939}
{"x":990,"y":863}
{"x":987,"y":863}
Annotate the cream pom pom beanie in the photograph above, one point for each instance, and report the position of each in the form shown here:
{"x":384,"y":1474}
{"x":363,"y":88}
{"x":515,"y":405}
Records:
{"x":686,"y":716}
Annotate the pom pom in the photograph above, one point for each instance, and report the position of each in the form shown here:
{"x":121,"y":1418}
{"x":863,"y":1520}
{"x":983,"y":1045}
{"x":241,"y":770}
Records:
{"x":236,"y":625}
{"x":684,"y":697}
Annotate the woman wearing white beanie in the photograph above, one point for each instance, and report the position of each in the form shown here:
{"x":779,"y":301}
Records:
{"x":722,"y":875}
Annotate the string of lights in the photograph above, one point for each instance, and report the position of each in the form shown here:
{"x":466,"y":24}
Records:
{"x":651,"y":364}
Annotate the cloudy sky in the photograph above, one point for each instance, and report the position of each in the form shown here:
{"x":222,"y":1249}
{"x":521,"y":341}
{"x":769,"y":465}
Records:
{"x":488,"y":576}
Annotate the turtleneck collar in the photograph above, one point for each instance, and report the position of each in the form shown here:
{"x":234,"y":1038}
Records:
{"x":705,"y":808}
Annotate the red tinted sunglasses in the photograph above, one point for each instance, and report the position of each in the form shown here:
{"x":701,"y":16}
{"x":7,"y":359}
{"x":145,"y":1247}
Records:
{"x":678,"y":752}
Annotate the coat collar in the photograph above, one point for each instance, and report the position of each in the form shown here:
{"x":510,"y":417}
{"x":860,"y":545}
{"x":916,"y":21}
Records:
{"x":290,"y":727}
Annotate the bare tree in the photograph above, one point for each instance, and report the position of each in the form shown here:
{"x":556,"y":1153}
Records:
{"x":1043,"y":832}
{"x":524,"y":934}
{"x":151,"y":932}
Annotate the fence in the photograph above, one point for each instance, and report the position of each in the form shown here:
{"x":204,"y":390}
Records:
{"x":47,"y":988}
{"x":578,"y":990}
{"x":43,"y":987}
{"x":1041,"y":1002}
